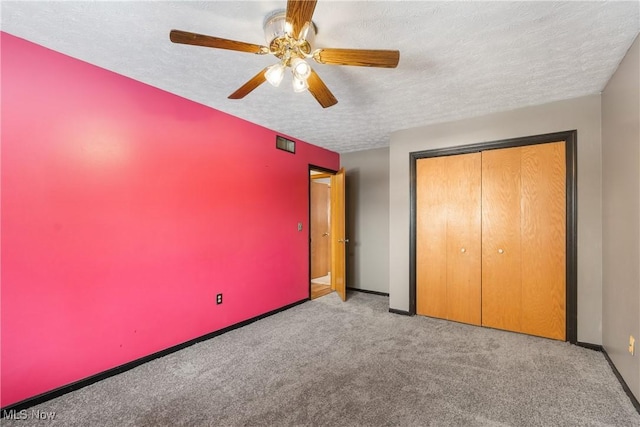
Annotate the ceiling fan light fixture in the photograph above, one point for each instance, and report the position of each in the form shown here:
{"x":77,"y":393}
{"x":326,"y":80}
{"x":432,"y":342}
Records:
{"x":300,"y":68}
{"x":299,"y":85}
{"x":274,"y":74}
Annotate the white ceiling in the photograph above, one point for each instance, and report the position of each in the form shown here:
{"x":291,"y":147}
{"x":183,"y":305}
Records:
{"x":457,"y":59}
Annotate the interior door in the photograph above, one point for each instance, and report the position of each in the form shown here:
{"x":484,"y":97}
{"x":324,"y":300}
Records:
{"x":544,"y":240}
{"x":464,"y":227}
{"x":448,"y":275}
{"x":320,"y":228}
{"x":501,"y":244}
{"x":431,"y":237}
{"x":524,"y":238}
{"x":338,"y":238}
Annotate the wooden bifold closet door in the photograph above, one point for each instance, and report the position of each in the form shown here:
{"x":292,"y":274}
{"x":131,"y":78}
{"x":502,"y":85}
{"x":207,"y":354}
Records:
{"x":491,"y":238}
{"x":524,"y":239}
{"x":448,"y":244}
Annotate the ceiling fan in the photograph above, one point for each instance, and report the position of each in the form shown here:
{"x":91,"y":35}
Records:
{"x":290,"y":35}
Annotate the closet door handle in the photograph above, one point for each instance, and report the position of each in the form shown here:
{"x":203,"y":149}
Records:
{"x":463,"y":250}
{"x":500,"y":251}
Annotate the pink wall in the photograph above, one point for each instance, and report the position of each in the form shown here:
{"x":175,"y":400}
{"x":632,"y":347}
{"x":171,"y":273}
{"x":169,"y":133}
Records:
{"x":125,"y":209}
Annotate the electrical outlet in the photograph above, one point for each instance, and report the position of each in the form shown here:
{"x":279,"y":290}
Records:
{"x":632,"y":345}
{"x":219,"y":299}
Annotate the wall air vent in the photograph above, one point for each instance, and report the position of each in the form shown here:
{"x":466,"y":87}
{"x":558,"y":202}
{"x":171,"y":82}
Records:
{"x":285,"y":144}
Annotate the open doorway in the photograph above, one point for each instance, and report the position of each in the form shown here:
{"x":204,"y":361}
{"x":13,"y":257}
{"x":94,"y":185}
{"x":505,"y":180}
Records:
{"x":326,"y":233}
{"x":320,"y":230}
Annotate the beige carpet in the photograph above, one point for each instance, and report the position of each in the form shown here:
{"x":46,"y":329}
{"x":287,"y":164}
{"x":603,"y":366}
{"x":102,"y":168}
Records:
{"x":333,"y":363}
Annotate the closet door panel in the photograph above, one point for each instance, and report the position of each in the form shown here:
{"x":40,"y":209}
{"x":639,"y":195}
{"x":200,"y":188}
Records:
{"x":544,"y":240}
{"x":464,"y":238}
{"x":431,"y":237}
{"x":501,"y":245}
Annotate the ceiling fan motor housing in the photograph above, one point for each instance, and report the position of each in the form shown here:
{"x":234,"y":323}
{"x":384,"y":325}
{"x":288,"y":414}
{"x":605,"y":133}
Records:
{"x":280,"y":41}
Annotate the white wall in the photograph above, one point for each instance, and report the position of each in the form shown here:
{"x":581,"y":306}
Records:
{"x":621,"y":216}
{"x":582,"y":114}
{"x":367,"y":224}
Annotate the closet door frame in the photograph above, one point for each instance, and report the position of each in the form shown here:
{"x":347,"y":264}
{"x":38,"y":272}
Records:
{"x":570,"y":142}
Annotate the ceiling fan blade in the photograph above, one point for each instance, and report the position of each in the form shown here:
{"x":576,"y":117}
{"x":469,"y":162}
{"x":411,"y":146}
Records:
{"x":185,"y":37}
{"x":320,"y":91}
{"x":359,"y":57}
{"x":246,"y":88}
{"x":299,"y":12}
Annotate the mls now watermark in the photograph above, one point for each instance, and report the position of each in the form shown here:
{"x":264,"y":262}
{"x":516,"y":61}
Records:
{"x":34,"y":414}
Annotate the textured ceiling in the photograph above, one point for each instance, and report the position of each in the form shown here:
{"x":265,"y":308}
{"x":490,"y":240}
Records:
{"x":457,"y":59}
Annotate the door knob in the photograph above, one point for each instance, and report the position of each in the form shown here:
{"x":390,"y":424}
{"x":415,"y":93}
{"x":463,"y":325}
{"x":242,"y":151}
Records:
{"x":500,"y":251}
{"x":463,"y":250}
{"x":325,"y":234}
